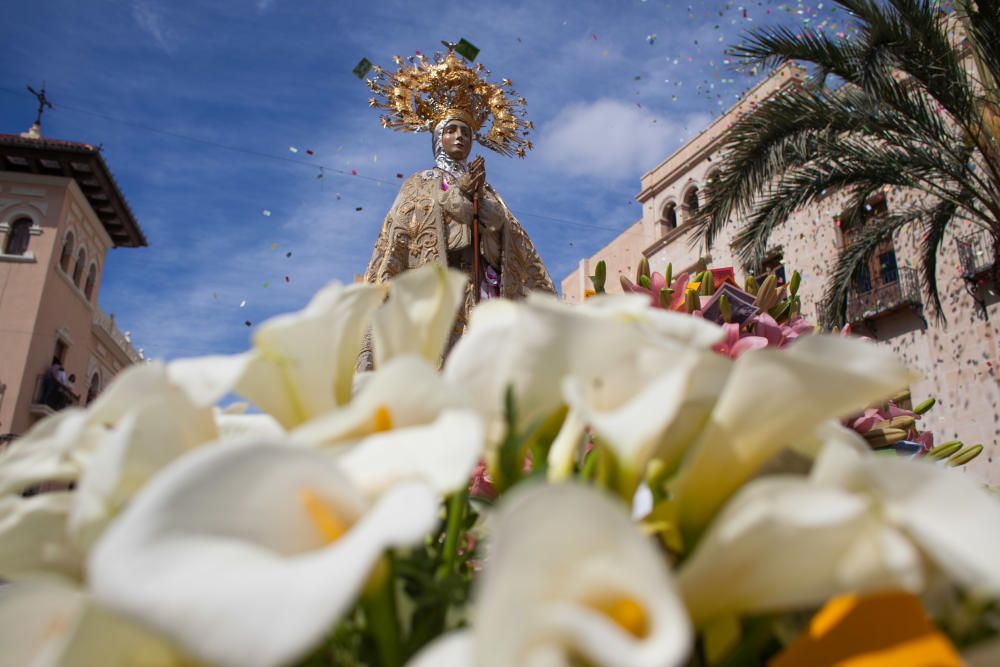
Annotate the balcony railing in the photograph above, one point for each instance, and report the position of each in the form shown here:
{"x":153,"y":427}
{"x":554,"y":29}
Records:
{"x":107,"y":323}
{"x":886,"y":297}
{"x":975,"y":254}
{"x":51,"y":396}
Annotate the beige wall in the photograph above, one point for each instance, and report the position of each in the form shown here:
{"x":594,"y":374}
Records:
{"x":621,"y":257}
{"x":957,"y":362}
{"x":39,"y":302}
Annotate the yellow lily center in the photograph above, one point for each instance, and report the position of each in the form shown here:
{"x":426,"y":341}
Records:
{"x":329,"y":525}
{"x":383,"y":419}
{"x":626,"y":613}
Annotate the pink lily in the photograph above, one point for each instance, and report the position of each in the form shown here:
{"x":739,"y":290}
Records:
{"x":734,"y":345}
{"x":657,"y":282}
{"x":867,"y":421}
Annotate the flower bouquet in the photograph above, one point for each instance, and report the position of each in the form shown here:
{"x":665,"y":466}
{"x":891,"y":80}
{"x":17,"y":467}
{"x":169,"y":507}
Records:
{"x":767,"y":313}
{"x":436,"y":515}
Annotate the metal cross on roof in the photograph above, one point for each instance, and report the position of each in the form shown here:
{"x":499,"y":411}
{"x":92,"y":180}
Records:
{"x":42,"y":103}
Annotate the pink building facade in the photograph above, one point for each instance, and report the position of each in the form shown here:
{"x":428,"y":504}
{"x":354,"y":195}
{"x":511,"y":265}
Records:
{"x":60,"y":213}
{"x":957,"y":360}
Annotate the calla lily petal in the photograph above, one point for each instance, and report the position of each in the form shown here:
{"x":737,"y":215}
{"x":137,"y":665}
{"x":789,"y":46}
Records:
{"x":570,"y":574}
{"x":33,"y":537}
{"x":387,"y":399}
{"x":253,"y":582}
{"x":48,"y":452}
{"x":783,"y":544}
{"x":654,"y":408}
{"x":161,"y":425}
{"x":443,"y":454}
{"x":419,"y":314}
{"x":302,"y":364}
{"x":232,"y":426}
{"x":753,"y":418}
{"x":455,"y":649}
{"x":536,"y":343}
{"x":565,"y":448}
{"x":208,"y":379}
{"x":46,"y":624}
{"x":938,"y":508}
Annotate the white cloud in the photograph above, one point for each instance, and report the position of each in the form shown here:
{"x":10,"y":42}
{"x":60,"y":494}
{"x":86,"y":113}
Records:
{"x":149,"y":19}
{"x":612,"y":140}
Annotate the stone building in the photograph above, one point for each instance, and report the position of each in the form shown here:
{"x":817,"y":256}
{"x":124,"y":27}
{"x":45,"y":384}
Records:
{"x":958,"y":359}
{"x":60,"y":213}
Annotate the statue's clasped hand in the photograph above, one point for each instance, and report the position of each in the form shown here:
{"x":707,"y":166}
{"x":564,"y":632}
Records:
{"x":472,"y":182}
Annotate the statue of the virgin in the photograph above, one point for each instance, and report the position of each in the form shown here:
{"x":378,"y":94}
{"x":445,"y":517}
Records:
{"x":449,"y":213}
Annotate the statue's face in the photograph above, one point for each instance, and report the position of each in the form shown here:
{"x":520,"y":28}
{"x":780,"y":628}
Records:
{"x":456,"y":139}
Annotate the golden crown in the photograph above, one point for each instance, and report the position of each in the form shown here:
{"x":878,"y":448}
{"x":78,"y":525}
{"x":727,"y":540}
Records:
{"x":419,"y":96}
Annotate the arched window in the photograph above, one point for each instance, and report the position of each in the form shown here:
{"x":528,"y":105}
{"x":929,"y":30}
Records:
{"x":88,"y":288}
{"x":669,"y":218}
{"x":94,"y":388}
{"x":17,"y":237}
{"x":67,"y":253}
{"x":691,"y":204}
{"x":81,"y":259}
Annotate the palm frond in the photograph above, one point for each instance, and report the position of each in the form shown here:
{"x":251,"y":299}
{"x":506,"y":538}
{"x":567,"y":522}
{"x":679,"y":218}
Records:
{"x":935,"y":225}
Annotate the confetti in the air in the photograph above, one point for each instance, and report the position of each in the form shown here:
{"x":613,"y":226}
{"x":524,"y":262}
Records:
{"x":243,"y":303}
{"x":267,"y":213}
{"x":466,"y":49}
{"x":362,"y":68}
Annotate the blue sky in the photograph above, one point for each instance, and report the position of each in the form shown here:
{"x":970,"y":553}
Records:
{"x":613,"y":87}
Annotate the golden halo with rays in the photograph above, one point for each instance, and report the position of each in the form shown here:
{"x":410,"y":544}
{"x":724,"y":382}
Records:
{"x":418,"y":96}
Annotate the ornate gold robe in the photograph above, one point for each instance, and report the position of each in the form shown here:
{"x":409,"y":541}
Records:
{"x":431,"y":221}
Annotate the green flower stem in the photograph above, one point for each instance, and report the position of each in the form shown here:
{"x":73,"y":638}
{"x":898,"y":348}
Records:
{"x":456,"y":518}
{"x":379,"y":604}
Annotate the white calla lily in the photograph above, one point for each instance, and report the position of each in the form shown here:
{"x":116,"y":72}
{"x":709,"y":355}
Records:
{"x":569,"y":574}
{"x":33,"y":536}
{"x":301,"y":364}
{"x":304,"y":363}
{"x":50,"y":451}
{"x":405,"y":422}
{"x":141,"y":423}
{"x":162,"y":425}
{"x":442,"y":454}
{"x":48,"y":624}
{"x":858,"y":523}
{"x":236,"y":424}
{"x":653,"y":406}
{"x":771,"y":399}
{"x":952,"y":519}
{"x":455,"y":649}
{"x":419,"y":314}
{"x":406,"y":392}
{"x":247,"y":553}
{"x":534,"y":344}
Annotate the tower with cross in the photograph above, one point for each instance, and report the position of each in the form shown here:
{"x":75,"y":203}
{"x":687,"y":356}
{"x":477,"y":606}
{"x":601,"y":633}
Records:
{"x":35,"y":132}
{"x":61,"y":213}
